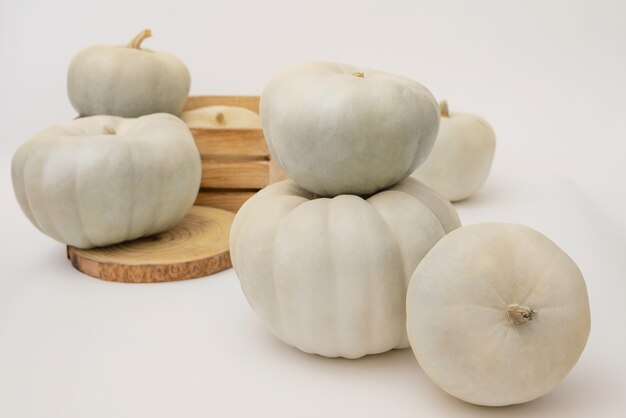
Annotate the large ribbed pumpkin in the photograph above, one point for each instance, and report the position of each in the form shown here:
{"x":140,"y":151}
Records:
{"x":329,"y":275}
{"x":104,"y":179}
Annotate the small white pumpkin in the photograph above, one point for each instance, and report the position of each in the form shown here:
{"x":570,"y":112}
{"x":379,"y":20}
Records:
{"x":461,"y":158}
{"x":335,"y":128}
{"x":497,"y":314}
{"x":329,"y":276}
{"x":127,"y":80}
{"x":221,"y":117}
{"x":103,"y":179}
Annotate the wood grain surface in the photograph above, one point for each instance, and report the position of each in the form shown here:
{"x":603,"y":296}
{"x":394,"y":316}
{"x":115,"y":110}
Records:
{"x":197,"y":246}
{"x":236,"y":163}
{"x":226,"y":199}
{"x":235,"y":174}
{"x":230,"y":142}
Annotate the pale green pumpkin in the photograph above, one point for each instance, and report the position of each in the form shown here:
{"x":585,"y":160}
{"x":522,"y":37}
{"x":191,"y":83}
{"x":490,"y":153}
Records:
{"x":103,"y":179}
{"x":127,"y":80}
{"x":339,"y":129}
{"x":329,"y":276}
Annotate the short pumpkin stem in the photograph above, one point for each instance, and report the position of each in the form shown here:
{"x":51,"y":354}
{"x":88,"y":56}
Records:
{"x":107,"y":130}
{"x":359,"y":74}
{"x":137,"y":40}
{"x":443,"y":109}
{"x":518,"y":314}
{"x":219,"y":118}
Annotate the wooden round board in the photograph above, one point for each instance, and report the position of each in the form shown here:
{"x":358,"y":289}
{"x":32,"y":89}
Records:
{"x":197,"y":246}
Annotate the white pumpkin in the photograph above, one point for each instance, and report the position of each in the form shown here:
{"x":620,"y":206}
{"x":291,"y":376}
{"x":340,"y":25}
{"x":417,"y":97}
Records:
{"x":221,"y":117}
{"x":461,"y":158}
{"x":497,"y":314}
{"x":127,"y":80}
{"x":329,"y":276}
{"x":335,"y":128}
{"x":103,"y":179}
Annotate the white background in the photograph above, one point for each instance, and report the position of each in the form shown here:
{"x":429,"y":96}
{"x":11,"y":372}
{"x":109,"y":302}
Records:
{"x":548,"y":75}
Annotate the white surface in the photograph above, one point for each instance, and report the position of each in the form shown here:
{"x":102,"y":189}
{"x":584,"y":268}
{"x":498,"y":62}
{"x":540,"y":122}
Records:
{"x":548,"y":76}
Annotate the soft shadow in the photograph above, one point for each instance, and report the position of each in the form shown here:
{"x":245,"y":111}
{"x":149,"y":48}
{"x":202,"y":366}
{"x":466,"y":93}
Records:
{"x":396,"y":362}
{"x":487,"y":195}
{"x":386,"y":360}
{"x":273,"y":343}
{"x":577,"y":395}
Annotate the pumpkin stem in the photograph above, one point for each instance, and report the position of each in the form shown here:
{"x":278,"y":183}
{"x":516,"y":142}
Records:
{"x":219,"y":118}
{"x":359,"y":74}
{"x":443,"y":109}
{"x":137,"y":40}
{"x":107,"y":130}
{"x":518,"y":314}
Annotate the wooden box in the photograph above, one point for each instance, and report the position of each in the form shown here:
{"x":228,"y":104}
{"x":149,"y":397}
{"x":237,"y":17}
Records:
{"x":236,"y":163}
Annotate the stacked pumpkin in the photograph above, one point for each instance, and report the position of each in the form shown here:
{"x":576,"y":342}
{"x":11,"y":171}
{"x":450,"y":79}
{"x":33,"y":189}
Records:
{"x":325,"y":258}
{"x":127,"y":167}
{"x":349,"y":254}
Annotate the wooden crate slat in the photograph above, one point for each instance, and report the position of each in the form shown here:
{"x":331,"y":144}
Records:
{"x":235,"y":174}
{"x":249,"y":102}
{"x":232,"y":142}
{"x":230,"y":200}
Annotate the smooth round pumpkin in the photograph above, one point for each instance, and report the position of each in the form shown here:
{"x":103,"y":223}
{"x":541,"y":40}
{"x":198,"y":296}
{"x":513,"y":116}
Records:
{"x":221,"y":117}
{"x":103,"y":179}
{"x":459,"y":163}
{"x":497,"y":314}
{"x":339,"y":129}
{"x":127,"y":80}
{"x":329,"y":276}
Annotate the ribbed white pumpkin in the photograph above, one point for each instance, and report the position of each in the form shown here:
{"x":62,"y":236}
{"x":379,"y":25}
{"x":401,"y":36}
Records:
{"x":461,"y":158}
{"x":103,"y":179}
{"x":497,"y":314}
{"x":329,"y":276}
{"x":339,"y":129}
{"x":127,"y":80}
